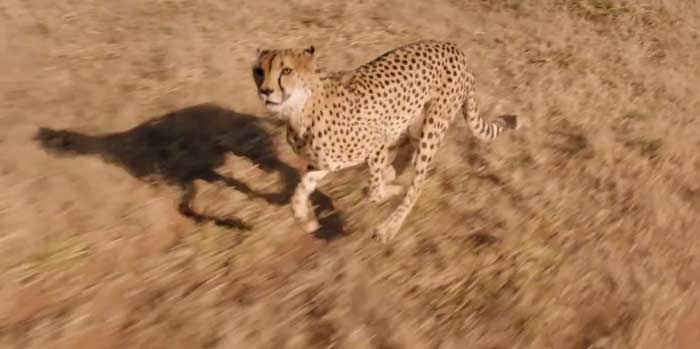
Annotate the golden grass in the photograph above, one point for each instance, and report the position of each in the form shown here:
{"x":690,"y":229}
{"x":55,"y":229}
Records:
{"x":578,"y":231}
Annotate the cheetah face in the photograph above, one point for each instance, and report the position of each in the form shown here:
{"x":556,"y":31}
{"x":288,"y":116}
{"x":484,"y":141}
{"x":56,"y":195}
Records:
{"x":283,"y":77}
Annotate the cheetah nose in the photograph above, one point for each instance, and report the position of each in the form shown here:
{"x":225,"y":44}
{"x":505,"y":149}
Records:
{"x":265,"y":91}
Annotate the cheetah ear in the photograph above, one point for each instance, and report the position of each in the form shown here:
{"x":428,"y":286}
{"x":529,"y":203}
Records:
{"x":309,"y":51}
{"x":261,"y":52}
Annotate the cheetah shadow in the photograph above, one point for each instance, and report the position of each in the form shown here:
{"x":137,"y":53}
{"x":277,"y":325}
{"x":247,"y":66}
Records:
{"x":189,"y":144}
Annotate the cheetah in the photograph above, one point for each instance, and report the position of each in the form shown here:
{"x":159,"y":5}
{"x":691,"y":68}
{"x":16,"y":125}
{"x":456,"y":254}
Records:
{"x":344,"y":119}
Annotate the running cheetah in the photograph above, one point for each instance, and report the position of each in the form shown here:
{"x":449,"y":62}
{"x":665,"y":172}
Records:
{"x":343,"y":119}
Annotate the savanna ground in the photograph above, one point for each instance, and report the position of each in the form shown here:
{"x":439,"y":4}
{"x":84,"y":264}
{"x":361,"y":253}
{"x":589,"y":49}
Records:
{"x":579,"y":231}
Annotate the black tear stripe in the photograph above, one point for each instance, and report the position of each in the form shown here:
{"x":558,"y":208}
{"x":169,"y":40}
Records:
{"x":279,"y":77}
{"x":272,"y":59}
{"x":279,"y":82}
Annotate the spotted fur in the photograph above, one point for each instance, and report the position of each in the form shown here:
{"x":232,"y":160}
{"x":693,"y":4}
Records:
{"x":339,"y":120}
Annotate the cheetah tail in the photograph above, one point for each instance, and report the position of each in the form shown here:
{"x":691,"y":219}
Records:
{"x":487,"y":130}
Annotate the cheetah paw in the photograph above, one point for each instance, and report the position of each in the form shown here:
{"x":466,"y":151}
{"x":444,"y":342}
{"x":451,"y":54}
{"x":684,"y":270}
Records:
{"x":311,"y":226}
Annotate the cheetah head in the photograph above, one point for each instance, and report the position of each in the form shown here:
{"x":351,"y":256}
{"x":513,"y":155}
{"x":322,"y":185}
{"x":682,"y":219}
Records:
{"x":284,"y":78}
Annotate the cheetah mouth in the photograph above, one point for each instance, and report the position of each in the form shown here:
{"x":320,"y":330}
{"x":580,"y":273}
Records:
{"x":271,"y":103}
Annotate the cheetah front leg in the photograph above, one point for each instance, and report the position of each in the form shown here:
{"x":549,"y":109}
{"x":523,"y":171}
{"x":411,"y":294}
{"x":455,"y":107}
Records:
{"x":381,"y":175}
{"x":301,"y":204}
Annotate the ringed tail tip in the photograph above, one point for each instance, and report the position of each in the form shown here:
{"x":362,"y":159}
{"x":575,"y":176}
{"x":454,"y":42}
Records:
{"x":511,"y":122}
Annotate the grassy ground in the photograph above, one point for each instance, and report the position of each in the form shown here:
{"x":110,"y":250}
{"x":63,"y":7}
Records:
{"x":577,"y":232}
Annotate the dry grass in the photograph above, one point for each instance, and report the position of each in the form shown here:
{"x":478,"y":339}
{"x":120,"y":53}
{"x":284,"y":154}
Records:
{"x":577,"y":232}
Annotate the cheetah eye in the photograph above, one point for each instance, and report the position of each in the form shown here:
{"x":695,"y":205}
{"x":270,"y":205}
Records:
{"x":286,"y":71}
{"x":258,"y":72}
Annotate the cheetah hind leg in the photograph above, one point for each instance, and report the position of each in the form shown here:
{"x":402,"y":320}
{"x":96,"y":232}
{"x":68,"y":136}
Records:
{"x":434,"y":128}
{"x":389,"y":176}
{"x":391,"y":189}
{"x":382,"y":173}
